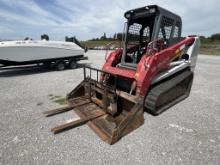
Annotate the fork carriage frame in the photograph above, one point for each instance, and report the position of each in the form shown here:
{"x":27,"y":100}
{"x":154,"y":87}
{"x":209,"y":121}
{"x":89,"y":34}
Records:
{"x":95,"y":110}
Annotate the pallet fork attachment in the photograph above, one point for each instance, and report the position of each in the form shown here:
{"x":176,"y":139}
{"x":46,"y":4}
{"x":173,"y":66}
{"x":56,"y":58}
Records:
{"x":92,"y":101}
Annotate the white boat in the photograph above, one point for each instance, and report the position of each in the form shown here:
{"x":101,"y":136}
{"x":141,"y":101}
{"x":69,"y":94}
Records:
{"x":38,"y":51}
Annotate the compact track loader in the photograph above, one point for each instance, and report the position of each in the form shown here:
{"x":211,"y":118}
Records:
{"x":152,"y":72}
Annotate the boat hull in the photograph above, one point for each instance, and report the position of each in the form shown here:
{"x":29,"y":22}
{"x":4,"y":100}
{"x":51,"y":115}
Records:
{"x":33,"y":53}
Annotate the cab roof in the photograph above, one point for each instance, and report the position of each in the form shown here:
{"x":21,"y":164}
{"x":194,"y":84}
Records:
{"x":151,"y":10}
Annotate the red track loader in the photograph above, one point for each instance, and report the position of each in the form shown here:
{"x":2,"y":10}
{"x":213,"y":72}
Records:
{"x":152,"y":72}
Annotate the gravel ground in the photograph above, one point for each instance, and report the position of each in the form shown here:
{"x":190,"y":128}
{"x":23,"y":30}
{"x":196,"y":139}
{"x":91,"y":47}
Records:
{"x":188,"y":133}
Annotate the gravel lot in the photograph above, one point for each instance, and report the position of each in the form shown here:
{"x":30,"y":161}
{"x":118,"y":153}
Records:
{"x":188,"y":133}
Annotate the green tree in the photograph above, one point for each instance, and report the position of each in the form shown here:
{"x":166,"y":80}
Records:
{"x":103,"y":37}
{"x":45,"y":37}
{"x":215,"y":36}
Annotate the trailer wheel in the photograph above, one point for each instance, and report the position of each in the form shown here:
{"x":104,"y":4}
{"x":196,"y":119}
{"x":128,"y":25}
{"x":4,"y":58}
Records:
{"x":72,"y":64}
{"x":60,"y":65}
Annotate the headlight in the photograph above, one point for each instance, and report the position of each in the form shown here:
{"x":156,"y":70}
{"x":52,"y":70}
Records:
{"x":152,"y":10}
{"x":128,"y":15}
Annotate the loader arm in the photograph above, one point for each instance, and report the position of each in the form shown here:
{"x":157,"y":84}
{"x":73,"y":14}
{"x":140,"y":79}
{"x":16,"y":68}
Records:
{"x":151,"y":65}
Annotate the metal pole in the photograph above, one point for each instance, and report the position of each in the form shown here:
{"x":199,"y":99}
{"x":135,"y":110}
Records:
{"x":84,"y":72}
{"x":97,"y":75}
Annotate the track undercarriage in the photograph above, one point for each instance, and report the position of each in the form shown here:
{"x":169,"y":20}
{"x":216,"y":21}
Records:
{"x":168,"y":92}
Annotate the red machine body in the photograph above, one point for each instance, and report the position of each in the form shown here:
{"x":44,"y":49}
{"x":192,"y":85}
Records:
{"x":147,"y":68}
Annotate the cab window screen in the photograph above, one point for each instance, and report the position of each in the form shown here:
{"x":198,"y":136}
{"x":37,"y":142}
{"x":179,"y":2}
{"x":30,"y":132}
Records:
{"x":134,"y":33}
{"x":166,"y":29}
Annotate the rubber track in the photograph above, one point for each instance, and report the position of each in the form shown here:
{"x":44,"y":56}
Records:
{"x":168,"y":86}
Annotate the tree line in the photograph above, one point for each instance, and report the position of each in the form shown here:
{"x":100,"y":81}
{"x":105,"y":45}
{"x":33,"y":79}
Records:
{"x":116,"y":36}
{"x":119,"y":36}
{"x":213,"y":37}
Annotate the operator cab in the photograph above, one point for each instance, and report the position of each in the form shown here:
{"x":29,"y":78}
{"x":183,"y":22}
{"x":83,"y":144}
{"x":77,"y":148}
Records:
{"x":150,"y":24}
